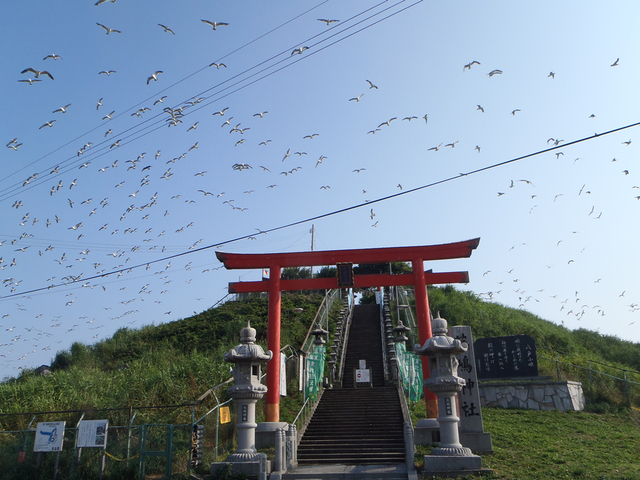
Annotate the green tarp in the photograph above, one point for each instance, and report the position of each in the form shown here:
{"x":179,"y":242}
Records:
{"x":410,"y":367}
{"x":315,"y":371}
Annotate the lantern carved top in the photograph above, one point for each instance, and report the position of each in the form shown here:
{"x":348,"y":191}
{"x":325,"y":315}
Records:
{"x":440,"y":343}
{"x":247,"y":351}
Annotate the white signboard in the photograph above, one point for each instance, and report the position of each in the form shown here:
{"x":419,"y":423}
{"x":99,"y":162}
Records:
{"x":49,"y":437}
{"x":362,"y":376}
{"x":362,"y":364}
{"x":283,"y":375}
{"x":92,"y":433}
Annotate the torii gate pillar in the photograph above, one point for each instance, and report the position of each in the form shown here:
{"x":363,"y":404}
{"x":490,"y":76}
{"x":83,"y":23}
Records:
{"x":272,"y":411}
{"x":423,"y":321}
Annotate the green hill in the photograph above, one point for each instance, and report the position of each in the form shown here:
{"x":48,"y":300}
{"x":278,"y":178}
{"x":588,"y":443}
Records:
{"x":170,"y":365}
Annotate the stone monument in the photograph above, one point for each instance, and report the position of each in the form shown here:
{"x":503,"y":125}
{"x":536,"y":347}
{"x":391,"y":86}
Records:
{"x":471,"y":428}
{"x":246,"y":391}
{"x":450,"y":457}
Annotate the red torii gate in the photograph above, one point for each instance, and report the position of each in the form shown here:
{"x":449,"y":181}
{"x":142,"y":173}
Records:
{"x":275,"y":285}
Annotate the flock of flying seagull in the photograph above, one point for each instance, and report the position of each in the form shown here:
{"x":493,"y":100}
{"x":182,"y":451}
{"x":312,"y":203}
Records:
{"x":78,"y":210}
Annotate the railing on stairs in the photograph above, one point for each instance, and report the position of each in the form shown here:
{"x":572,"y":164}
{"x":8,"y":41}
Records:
{"x":398,"y":379}
{"x":341,"y":336}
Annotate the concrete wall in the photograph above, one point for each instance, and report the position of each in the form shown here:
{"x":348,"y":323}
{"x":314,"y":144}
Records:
{"x":533,"y":395}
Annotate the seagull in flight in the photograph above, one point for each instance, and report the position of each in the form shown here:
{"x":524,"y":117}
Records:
{"x":108,"y":30}
{"x":62,"y":109}
{"x":47,"y":124}
{"x":357,"y":99}
{"x":218,"y":65}
{"x":154,"y":76}
{"x":107,"y":72}
{"x":371,"y":85}
{"x":166,"y":29}
{"x":469,"y":65}
{"x":54,"y":56}
{"x":215,"y":25}
{"x":328,"y":22}
{"x":388,"y":122}
{"x":37,"y":73}
{"x":108,"y":117}
{"x":299,"y":50}
{"x":615,"y":64}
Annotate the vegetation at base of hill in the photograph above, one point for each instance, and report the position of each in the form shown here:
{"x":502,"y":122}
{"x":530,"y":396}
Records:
{"x":167,"y":364}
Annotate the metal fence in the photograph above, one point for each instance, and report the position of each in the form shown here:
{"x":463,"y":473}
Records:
{"x":600,"y":381}
{"x":134,"y":446}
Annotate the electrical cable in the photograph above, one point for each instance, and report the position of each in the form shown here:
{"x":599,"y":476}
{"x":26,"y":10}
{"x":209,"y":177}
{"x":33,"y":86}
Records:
{"x":335,"y":212}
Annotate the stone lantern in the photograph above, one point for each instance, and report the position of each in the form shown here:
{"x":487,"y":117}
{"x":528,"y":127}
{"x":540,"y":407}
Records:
{"x":400,"y":331}
{"x":246,"y":391}
{"x":444,"y":382}
{"x":319,"y":334}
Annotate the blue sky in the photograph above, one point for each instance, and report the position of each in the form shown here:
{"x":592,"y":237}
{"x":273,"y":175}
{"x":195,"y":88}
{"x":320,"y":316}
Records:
{"x":561,"y":245}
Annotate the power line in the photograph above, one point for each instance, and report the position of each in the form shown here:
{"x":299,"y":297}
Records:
{"x":334,"y":212}
{"x":12,"y":189}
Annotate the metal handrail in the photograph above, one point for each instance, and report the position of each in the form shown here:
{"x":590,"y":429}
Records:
{"x":327,"y":303}
{"x":307,"y":410}
{"x":346,"y":328}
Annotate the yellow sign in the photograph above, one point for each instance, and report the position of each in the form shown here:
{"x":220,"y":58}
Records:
{"x":225,"y":415}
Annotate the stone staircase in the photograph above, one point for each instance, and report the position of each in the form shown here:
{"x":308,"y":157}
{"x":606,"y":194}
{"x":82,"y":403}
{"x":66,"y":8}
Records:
{"x":363,"y":425}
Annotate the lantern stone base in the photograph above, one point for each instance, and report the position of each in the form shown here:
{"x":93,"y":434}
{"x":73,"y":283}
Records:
{"x":266,"y":434}
{"x":258,"y":467}
{"x":452,"y":466}
{"x":426,"y":432}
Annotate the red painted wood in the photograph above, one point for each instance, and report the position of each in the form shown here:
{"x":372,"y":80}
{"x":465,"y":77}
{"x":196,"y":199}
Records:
{"x":361,"y":281}
{"x":357,"y":256}
{"x":272,"y":412}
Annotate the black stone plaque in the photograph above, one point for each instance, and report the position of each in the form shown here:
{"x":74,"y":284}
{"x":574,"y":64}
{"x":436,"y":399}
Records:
{"x":506,"y":357}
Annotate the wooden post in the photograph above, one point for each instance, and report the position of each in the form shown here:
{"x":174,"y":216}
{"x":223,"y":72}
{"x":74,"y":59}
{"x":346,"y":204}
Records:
{"x":272,"y":413}
{"x":424,"y":329}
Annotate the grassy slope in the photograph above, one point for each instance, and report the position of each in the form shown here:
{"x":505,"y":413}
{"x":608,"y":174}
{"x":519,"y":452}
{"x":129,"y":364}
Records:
{"x":174,"y":363}
{"x":167,"y":364}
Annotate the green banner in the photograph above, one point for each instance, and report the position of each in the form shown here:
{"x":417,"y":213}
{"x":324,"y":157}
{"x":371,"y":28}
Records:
{"x":315,"y":371}
{"x":410,"y":367}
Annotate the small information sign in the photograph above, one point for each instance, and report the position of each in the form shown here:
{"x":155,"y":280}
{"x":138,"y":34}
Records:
{"x":49,"y":436}
{"x":363,"y":376}
{"x":362,"y":364}
{"x":225,"y":415}
{"x":92,"y":434}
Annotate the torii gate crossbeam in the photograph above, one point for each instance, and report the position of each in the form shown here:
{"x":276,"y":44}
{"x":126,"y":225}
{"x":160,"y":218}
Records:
{"x":417,"y":255}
